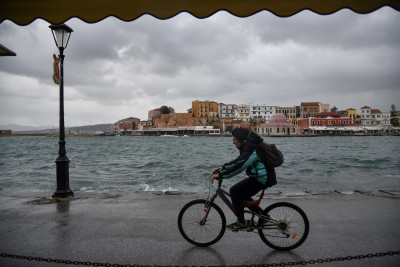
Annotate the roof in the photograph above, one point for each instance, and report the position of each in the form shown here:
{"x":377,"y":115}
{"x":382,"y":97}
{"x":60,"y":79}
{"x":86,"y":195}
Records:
{"x":326,"y":114}
{"x":375,"y":111}
{"x":91,"y":11}
{"x":310,"y":103}
{"x":364,"y":107}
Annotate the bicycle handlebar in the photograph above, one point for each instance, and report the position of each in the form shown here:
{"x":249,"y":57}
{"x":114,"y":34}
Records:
{"x":219,"y":179}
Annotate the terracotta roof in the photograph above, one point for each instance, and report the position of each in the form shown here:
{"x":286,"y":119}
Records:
{"x":375,"y":111}
{"x":365,"y":107}
{"x":309,"y":103}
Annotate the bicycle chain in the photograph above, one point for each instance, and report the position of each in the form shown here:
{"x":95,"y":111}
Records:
{"x":88,"y":263}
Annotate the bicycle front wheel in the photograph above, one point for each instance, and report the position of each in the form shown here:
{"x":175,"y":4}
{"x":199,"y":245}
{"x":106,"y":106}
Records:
{"x":286,"y":226}
{"x":201,"y":226}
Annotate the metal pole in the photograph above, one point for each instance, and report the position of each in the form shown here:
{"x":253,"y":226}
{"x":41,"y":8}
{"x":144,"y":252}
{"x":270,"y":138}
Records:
{"x":62,"y":162}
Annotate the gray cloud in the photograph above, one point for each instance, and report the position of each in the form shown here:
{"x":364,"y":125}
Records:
{"x":115,"y":69}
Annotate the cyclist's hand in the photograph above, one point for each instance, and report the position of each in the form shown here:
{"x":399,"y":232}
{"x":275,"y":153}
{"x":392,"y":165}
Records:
{"x":217,"y":170}
{"x":215,"y":176}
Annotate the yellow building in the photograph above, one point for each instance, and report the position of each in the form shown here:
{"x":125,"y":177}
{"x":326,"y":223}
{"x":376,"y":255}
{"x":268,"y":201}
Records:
{"x":352,"y":113}
{"x":290,"y":113}
{"x":204,"y":109}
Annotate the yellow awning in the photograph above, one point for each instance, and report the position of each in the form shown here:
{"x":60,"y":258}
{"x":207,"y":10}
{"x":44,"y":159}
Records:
{"x":23,"y":12}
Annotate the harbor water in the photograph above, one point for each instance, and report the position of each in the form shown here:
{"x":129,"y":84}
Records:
{"x":169,"y":163}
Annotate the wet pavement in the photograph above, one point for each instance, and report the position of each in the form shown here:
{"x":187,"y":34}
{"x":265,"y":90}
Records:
{"x":140,"y":228}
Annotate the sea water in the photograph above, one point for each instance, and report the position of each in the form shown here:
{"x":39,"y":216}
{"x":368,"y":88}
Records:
{"x":169,"y":163}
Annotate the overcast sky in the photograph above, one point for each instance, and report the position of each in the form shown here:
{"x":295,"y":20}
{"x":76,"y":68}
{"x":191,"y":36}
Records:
{"x":116,"y":69}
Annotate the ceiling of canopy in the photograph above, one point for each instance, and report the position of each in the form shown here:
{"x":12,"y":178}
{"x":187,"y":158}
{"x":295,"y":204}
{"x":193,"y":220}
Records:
{"x":23,"y":12}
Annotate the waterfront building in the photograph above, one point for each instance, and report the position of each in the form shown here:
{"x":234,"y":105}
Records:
{"x":278,"y":125}
{"x":155,"y":113}
{"x":204,"y":109}
{"x":144,"y":124}
{"x":324,"y":107}
{"x":228,"y":124}
{"x":126,"y":125}
{"x":261,"y":112}
{"x":291,"y":113}
{"x":374,"y":117}
{"x":226,"y":111}
{"x":242,"y":112}
{"x":309,"y":109}
{"x":324,"y":120}
{"x":352,"y":113}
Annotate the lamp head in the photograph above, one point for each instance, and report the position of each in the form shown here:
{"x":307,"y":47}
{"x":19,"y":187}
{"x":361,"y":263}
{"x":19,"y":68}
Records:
{"x":61,"y":34}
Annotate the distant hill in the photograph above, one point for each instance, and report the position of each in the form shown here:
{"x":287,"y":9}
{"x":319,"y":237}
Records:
{"x":107,"y":128}
{"x":19,"y":128}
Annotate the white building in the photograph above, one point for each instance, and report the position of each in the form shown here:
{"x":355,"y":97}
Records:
{"x":242,"y":112}
{"x":261,"y":112}
{"x":226,"y":111}
{"x":374,"y":117}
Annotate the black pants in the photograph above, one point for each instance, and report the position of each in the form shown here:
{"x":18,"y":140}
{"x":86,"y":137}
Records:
{"x":244,"y":190}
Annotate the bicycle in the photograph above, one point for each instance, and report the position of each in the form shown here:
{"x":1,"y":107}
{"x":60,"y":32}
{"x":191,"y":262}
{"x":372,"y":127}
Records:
{"x":282,"y":225}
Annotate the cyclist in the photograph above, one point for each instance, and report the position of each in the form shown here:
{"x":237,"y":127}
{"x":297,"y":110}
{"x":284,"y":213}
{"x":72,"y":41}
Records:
{"x":259,"y":176}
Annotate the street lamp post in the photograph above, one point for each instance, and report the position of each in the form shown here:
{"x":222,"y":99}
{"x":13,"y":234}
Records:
{"x":61,"y":34}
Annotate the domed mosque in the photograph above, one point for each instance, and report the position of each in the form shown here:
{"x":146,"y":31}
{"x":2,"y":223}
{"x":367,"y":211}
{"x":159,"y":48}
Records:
{"x":278,"y":125}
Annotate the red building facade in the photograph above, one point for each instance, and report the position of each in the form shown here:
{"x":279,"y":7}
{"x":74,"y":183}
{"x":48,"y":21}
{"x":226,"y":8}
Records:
{"x":328,"y":121}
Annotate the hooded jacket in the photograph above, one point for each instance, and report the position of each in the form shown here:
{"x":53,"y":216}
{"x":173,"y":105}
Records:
{"x":249,"y":160}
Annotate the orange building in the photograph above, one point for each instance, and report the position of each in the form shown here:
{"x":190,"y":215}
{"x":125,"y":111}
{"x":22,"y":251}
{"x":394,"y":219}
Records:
{"x":204,"y":109}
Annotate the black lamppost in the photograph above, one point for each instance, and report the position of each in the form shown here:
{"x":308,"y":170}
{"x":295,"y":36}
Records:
{"x":61,"y":34}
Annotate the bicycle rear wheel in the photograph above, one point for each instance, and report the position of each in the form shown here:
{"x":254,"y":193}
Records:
{"x":198,"y":231}
{"x":286,"y":228}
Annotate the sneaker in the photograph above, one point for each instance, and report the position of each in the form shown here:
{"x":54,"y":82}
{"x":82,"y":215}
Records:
{"x":236,"y":226}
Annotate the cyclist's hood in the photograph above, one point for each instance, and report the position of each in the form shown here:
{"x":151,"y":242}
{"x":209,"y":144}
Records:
{"x":252,"y":138}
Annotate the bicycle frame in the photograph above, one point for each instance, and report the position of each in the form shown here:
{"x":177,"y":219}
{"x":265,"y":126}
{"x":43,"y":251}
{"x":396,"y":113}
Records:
{"x":247,"y":204}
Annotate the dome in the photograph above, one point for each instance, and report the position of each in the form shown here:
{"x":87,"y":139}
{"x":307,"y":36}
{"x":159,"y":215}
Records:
{"x":278,"y":120}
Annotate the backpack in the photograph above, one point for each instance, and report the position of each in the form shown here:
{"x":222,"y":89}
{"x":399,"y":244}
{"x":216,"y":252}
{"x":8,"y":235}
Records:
{"x":270,"y":155}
